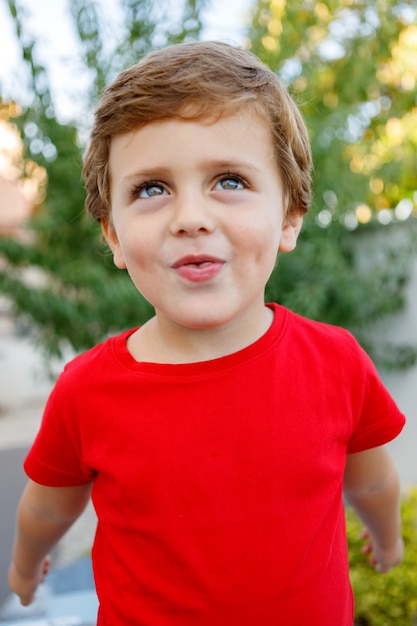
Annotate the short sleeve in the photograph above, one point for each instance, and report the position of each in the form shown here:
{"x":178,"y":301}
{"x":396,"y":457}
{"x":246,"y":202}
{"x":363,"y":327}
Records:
{"x":55,"y":458}
{"x":379,"y":420}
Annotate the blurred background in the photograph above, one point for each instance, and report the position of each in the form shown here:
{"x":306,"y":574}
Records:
{"x":350,"y":65}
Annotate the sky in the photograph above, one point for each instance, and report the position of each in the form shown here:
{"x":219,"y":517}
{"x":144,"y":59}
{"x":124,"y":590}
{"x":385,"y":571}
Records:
{"x":50,"y":23}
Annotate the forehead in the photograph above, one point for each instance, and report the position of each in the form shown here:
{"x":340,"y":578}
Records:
{"x":247,"y":116}
{"x":205,"y":111}
{"x":215,"y":136}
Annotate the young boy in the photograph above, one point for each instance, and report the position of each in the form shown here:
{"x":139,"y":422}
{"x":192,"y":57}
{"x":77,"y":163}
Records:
{"x":217,"y":438}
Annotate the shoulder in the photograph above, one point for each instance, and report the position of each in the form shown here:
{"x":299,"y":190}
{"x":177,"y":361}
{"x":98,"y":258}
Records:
{"x":312,"y":346}
{"x":95,"y":361}
{"x":314,"y":335}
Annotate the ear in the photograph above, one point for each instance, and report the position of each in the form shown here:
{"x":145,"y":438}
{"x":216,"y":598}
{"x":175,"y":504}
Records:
{"x":290,"y":230}
{"x":110,"y":235}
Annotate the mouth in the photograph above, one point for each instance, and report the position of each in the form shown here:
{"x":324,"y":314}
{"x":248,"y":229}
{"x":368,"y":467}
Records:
{"x":198,"y":267}
{"x":196,"y":260}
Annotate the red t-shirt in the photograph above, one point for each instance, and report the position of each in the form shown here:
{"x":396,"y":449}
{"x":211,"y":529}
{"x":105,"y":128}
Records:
{"x":218,"y":485}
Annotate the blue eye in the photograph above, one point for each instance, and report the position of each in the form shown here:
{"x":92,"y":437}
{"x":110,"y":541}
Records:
{"x":150,"y":190}
{"x":230,"y":183}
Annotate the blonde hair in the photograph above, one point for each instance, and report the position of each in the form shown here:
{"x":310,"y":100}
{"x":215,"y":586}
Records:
{"x":198,"y":80}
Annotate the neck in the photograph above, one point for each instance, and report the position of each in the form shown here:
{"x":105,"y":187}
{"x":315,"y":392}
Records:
{"x":162,"y":341}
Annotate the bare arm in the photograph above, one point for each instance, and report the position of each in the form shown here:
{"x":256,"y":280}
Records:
{"x":43,"y":516}
{"x":371,"y":486}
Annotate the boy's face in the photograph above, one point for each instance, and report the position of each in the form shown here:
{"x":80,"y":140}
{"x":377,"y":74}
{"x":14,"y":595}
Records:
{"x":198,"y":216}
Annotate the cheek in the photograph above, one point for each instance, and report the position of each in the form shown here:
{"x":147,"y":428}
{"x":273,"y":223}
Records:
{"x":262,"y":239}
{"x":267,"y":246}
{"x":140,"y":258}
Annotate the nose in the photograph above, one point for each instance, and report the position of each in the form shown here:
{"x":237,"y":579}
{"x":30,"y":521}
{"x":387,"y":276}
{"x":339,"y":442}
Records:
{"x":192,"y":215}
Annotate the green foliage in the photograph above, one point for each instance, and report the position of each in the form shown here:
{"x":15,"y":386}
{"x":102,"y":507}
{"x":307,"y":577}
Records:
{"x":349,"y":66}
{"x":385,"y":599}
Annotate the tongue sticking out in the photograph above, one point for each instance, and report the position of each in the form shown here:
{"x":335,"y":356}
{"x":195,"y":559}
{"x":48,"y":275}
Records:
{"x":199,"y":271}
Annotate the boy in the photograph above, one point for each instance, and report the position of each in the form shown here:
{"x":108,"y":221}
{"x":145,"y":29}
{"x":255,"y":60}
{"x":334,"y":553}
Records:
{"x":217,"y":438}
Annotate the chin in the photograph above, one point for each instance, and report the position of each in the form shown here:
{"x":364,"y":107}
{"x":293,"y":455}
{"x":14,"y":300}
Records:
{"x":203,"y":321}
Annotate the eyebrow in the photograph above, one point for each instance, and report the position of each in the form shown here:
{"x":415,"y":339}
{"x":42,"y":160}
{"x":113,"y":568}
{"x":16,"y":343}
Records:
{"x":231,"y":164}
{"x":160,"y":171}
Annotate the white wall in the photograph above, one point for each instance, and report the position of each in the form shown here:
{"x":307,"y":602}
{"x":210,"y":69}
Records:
{"x":403,"y":385}
{"x":22,"y":379}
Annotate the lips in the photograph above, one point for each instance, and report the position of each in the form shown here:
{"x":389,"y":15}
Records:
{"x":198,"y":267}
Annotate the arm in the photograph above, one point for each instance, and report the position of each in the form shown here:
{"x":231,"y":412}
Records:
{"x":371,"y":486}
{"x":44,"y":515}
